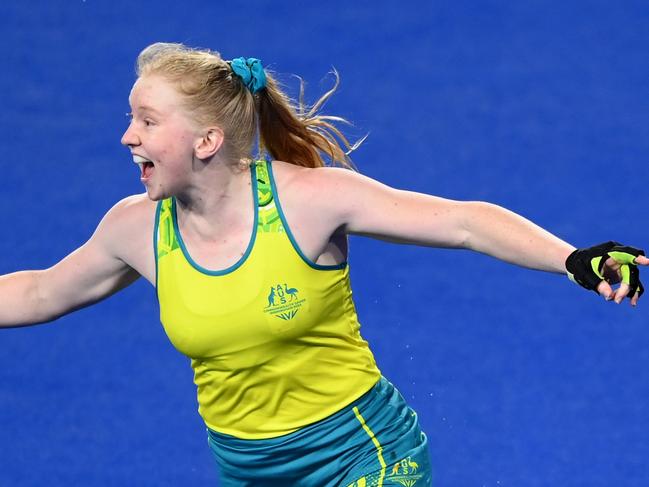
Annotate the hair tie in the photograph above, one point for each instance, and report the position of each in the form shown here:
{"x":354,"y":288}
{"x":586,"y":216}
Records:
{"x":251,"y":73}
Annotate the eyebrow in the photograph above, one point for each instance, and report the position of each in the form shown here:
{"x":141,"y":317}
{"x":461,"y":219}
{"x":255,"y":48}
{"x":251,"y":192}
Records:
{"x":146,"y":108}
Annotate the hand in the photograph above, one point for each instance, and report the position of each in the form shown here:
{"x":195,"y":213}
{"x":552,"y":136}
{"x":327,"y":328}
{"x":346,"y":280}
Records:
{"x":596,"y":268}
{"x":612,"y":272}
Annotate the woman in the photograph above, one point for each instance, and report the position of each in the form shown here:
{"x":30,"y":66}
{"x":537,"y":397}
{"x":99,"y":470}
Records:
{"x":249,"y":262}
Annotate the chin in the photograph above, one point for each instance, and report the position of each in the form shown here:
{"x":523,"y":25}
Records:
{"x":155,"y":194}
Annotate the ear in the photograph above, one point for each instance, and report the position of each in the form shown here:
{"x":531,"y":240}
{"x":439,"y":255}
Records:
{"x":209,"y":143}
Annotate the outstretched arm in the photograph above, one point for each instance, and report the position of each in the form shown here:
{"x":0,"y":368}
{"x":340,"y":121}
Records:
{"x":363,"y":206}
{"x":89,"y":274}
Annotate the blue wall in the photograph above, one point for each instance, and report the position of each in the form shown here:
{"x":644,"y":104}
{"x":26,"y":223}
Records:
{"x":520,"y":378}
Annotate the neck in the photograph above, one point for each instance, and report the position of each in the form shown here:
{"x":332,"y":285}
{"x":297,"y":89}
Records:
{"x":220,"y":197}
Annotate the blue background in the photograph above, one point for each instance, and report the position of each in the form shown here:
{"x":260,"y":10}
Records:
{"x":520,"y":378}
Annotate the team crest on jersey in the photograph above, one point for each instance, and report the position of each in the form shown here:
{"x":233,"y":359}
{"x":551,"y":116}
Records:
{"x":284,"y":302}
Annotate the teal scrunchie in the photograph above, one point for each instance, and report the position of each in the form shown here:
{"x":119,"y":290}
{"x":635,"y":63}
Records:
{"x":251,"y":72}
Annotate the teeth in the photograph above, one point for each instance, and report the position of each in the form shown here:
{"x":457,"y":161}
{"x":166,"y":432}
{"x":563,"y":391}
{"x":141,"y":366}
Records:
{"x":139,"y":159}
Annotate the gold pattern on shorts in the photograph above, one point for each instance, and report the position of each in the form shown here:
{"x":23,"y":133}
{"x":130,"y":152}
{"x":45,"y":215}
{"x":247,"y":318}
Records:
{"x":405,"y":473}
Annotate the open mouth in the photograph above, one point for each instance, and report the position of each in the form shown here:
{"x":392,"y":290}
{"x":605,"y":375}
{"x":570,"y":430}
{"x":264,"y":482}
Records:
{"x":146,"y":166}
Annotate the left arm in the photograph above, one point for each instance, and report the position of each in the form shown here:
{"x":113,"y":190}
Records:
{"x":362,"y":206}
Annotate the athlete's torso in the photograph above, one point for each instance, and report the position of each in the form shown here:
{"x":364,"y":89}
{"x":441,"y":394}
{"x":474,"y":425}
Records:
{"x":274,"y":338}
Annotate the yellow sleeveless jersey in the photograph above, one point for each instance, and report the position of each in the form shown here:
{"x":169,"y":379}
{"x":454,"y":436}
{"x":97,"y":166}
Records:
{"x":274,"y":339}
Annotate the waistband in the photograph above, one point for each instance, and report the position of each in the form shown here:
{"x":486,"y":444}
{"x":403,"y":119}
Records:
{"x":381,"y":388}
{"x":366,"y":435}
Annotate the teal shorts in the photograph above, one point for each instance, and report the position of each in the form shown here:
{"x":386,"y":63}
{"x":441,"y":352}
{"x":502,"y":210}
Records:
{"x":375,"y":441}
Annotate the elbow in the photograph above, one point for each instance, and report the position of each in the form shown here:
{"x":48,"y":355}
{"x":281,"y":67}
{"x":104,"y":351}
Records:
{"x":41,"y":298}
{"x":475,"y":216}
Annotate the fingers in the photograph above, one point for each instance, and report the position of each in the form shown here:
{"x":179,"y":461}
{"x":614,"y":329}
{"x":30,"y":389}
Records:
{"x":625,"y":254}
{"x":642,"y":260}
{"x":625,"y":290}
{"x":628,"y":275}
{"x":638,"y":293}
{"x":605,"y":290}
{"x":621,"y":292}
{"x":630,"y":286}
{"x":634,"y":281}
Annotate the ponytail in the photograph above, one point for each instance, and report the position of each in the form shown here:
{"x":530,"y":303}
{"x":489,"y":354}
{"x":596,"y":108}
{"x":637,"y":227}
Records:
{"x":298,"y":134}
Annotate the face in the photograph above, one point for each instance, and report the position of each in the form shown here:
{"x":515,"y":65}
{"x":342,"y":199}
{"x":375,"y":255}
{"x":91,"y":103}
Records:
{"x":161,"y":137}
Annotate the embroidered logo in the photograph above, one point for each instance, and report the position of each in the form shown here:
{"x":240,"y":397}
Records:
{"x":283,"y":302}
{"x":405,"y":472}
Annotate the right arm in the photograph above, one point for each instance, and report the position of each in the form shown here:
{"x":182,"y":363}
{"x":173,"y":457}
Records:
{"x":91,"y":273}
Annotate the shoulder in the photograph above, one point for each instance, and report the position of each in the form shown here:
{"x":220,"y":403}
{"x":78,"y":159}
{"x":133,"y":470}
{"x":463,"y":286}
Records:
{"x":333,"y":190}
{"x":325,"y":183}
{"x":125,"y":233}
{"x":331,"y":200}
{"x":131,"y":211}
{"x":127,"y":221}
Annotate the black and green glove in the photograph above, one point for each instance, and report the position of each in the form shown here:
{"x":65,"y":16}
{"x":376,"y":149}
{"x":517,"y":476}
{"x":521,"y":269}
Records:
{"x":585,"y":266}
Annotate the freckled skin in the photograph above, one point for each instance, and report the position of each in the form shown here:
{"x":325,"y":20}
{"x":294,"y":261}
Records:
{"x":163,"y":132}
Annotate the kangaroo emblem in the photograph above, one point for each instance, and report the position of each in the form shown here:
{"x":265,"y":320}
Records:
{"x":271,"y":297}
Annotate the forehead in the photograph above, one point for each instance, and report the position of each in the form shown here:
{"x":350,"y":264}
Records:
{"x":155,"y":92}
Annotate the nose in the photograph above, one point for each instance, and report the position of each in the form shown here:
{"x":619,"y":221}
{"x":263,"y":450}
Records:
{"x":130,"y":138}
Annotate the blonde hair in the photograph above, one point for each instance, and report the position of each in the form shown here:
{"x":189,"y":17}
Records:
{"x":213,"y":94}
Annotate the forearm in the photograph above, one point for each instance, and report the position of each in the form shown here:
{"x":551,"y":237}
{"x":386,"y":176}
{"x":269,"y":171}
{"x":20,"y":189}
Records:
{"x":500,"y":233}
{"x":22,"y":302}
